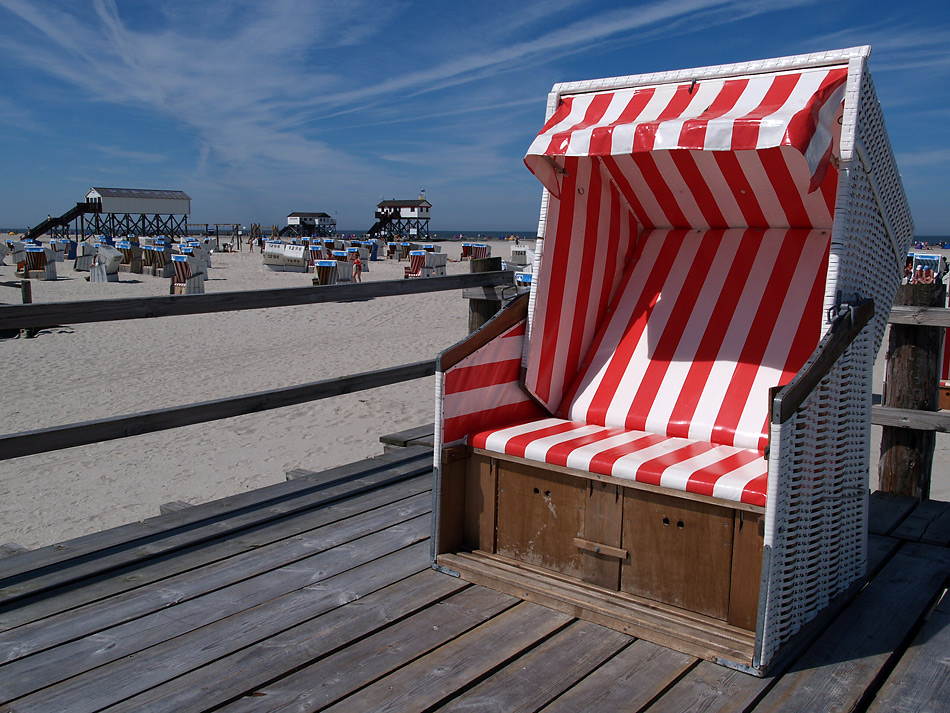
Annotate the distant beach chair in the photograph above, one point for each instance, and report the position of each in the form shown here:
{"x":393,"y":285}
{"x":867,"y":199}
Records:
{"x":296,"y":258}
{"x":131,"y":256}
{"x":86,"y":254}
{"x":316,"y":253}
{"x":340,"y":255}
{"x":372,"y":248}
{"x":4,"y":251}
{"x":105,"y":264}
{"x":523,"y":281}
{"x":17,"y":254}
{"x":274,"y":256}
{"x":480,"y":251}
{"x":417,"y":260}
{"x":392,"y":251}
{"x":466,"y":251}
{"x":325,"y":272}
{"x":189,"y":278}
{"x":39,"y":263}
{"x":670,"y":434}
{"x":344,"y":271}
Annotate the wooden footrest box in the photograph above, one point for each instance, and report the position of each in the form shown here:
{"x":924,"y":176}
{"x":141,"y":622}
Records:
{"x":638,"y":559}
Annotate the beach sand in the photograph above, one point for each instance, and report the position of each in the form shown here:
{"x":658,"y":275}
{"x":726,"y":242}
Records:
{"x":87,"y":371}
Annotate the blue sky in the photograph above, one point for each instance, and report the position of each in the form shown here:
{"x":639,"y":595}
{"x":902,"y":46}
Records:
{"x":258,"y":108}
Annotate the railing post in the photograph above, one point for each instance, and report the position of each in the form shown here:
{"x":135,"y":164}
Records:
{"x":26,"y":293}
{"x":912,"y":380}
{"x":480,"y":310}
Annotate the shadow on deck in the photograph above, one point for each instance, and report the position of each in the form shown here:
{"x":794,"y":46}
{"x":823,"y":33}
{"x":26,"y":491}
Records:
{"x":316,"y":594}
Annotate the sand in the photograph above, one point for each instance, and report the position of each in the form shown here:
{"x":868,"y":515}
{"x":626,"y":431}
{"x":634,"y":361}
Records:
{"x":88,"y":371}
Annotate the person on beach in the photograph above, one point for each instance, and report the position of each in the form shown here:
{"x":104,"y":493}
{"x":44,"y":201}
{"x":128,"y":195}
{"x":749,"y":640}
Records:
{"x":357,"y":268}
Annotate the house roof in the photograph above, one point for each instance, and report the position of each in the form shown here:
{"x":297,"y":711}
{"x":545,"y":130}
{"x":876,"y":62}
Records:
{"x":141,"y":193}
{"x":299,"y":214}
{"x":413,"y":203}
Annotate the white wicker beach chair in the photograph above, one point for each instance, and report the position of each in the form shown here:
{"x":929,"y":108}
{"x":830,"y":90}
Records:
{"x":105,"y":264}
{"x":670,"y":434}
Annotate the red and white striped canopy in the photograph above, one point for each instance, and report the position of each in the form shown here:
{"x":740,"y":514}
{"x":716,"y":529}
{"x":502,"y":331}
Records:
{"x":749,"y":151}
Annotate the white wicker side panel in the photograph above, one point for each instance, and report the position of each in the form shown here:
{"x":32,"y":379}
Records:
{"x":815,"y":512}
{"x":816,"y":523}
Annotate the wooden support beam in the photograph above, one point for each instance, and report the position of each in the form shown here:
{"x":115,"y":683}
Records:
{"x":926,"y":316}
{"x":50,"y":314}
{"x":910,"y":418}
{"x":16,"y":445}
{"x":912,"y":377}
{"x":482,"y":310}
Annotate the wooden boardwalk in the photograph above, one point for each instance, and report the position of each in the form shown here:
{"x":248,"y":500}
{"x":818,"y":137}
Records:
{"x":315,"y":594}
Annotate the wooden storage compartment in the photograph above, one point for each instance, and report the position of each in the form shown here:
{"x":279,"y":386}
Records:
{"x":680,"y":551}
{"x":625,"y":544}
{"x":540,"y":513}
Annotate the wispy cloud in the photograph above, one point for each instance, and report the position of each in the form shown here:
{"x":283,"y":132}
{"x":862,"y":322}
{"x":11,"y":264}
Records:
{"x":281,"y":99}
{"x":129,"y":155}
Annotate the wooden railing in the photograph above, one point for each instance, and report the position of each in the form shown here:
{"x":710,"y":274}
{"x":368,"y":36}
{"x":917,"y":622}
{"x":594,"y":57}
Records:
{"x":909,"y":413}
{"x":34,"y":316}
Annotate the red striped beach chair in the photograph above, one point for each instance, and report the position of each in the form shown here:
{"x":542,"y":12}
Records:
{"x":325,"y":272}
{"x":417,"y":261}
{"x":670,"y":433}
{"x":316,"y":253}
{"x":466,"y":251}
{"x":480,"y":251}
{"x":189,"y":277}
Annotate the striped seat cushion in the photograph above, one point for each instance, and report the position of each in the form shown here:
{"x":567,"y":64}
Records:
{"x":726,"y":472}
{"x":702,"y":325}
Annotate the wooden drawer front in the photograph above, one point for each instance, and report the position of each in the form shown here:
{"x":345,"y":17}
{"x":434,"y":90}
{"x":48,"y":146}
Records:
{"x":540,"y":513}
{"x":680,"y":551}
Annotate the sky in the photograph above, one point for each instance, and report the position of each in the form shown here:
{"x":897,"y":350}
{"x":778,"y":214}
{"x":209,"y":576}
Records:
{"x":257,"y":108}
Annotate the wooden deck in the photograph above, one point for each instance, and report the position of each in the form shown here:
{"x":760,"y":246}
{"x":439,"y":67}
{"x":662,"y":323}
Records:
{"x":316,"y":594}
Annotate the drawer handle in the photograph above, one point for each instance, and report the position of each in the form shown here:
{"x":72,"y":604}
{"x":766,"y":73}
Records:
{"x":600,"y":549}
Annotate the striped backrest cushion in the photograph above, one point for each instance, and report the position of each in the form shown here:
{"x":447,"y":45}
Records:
{"x":702,"y":325}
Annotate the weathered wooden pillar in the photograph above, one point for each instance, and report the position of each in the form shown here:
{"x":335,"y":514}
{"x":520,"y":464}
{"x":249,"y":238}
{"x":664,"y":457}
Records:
{"x":482,"y":310}
{"x":26,"y":292}
{"x":912,"y":377}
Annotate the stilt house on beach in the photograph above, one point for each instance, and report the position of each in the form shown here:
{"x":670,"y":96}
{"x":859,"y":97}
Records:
{"x":299,"y":225}
{"x":402,"y":218}
{"x":138,"y":211}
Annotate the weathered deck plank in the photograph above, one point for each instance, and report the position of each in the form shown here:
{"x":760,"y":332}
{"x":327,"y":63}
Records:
{"x":920,"y":683}
{"x":98,"y":553}
{"x":295,"y":601}
{"x":373,"y":657}
{"x":137,"y":605}
{"x":435,"y":677}
{"x":208,"y":637}
{"x":533,"y":680}
{"x":847,"y":660}
{"x":117,"y":586}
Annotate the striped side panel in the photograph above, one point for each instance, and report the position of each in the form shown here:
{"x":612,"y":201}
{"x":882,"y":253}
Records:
{"x":730,"y":473}
{"x":589,"y":240}
{"x":703,"y":324}
{"x":484,"y":389}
